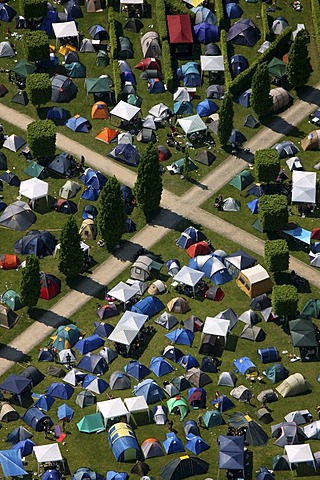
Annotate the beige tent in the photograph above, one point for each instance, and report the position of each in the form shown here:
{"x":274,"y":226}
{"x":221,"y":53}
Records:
{"x":93,"y":6}
{"x":8,"y":413}
{"x":311,"y":141}
{"x":88,"y":229}
{"x":293,"y":385}
{"x":141,"y":268}
{"x":150,"y":45}
{"x":178,"y":305}
{"x":254,"y":281}
{"x":280,"y":98}
{"x":8,"y":317}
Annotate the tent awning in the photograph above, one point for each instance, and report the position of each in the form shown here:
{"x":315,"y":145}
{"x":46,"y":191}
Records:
{"x":112,"y":408}
{"x":304,"y":186}
{"x":11,"y":463}
{"x":47,"y":453}
{"x":299,"y":454}
{"x":188,"y":276}
{"x":34,"y":188}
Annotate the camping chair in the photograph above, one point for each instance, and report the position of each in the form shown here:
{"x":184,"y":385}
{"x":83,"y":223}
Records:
{"x":58,"y":434}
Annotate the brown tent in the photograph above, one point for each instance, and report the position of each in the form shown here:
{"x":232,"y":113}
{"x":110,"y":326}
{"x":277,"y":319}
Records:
{"x":311,"y":141}
{"x":93,"y":6}
{"x":178,"y":305}
{"x":8,"y":318}
{"x":88,"y":229}
{"x":197,"y":377}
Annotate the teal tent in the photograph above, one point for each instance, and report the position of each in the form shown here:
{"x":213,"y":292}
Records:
{"x":312,"y":308}
{"x":12,"y":300}
{"x":91,"y":423}
{"x":277,"y":68}
{"x":36,"y":171}
{"x":276,"y":373}
{"x":242,"y":180}
{"x":76,"y":70}
{"x":98,"y":85}
{"x":212,"y":418}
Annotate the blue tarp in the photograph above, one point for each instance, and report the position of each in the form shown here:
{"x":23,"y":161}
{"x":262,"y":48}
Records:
{"x":300,"y":234}
{"x":150,"y":390}
{"x":150,"y":306}
{"x":160,"y":366}
{"x":243,"y":364}
{"x":87,"y":344}
{"x":11,"y":463}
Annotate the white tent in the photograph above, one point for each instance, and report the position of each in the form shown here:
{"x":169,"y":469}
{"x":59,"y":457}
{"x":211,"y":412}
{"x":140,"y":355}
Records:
{"x":65,"y":29}
{"x":125,"y":137}
{"x":111,"y":409}
{"x":299,"y":454}
{"x":136,"y":404}
{"x":47,"y":453}
{"x":182,"y":95}
{"x":13,"y":143}
{"x":192,"y":124}
{"x":188,"y":276}
{"x":33,"y":188}
{"x":312,"y":431}
{"x":211,"y":63}
{"x":125,"y":111}
{"x":304,"y":187}
{"x":300,"y":26}
{"x":159,"y":112}
{"x":297,"y":416}
{"x":123,"y":292}
{"x":73,"y":377}
{"x":216,"y":326}
{"x":128,"y":328}
{"x":63,"y":355}
{"x":314,"y":259}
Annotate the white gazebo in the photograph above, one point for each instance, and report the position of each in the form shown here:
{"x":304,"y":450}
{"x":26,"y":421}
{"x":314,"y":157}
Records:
{"x":125,"y":111}
{"x":113,"y":408}
{"x":192,"y":125}
{"x":211,"y":63}
{"x":137,"y":405}
{"x":216,"y":326}
{"x":188,"y":276}
{"x":125,"y":4}
{"x":33,"y":188}
{"x":123,"y":292}
{"x":47,"y":454}
{"x":65,"y":29}
{"x":299,"y":454}
{"x":304,"y":187}
{"x":128,"y":328}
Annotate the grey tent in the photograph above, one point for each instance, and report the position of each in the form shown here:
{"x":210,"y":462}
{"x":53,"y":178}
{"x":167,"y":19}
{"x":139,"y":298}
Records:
{"x":150,"y":45}
{"x":280,"y":463}
{"x":212,"y":345}
{"x":63,"y":89}
{"x":85,"y":398}
{"x":251,"y":332}
{"x":231,"y":205}
{"x":303,"y":333}
{"x":21,"y":98}
{"x":125,"y":48}
{"x":227,"y":379}
{"x":87,"y":46}
{"x":17,"y":216}
{"x":238,"y":261}
{"x":71,"y":57}
{"x":6,"y":50}
{"x":287,"y":433}
{"x":119,"y":381}
{"x":141,"y":268}
{"x":102,"y":58}
{"x":8,"y":318}
{"x":215,"y":91}
{"x":166,"y":320}
{"x":33,"y":374}
{"x":249,"y":317}
{"x":56,"y":371}
{"x":251,"y":122}
{"x":254,"y":433}
{"x":14,"y":142}
{"x":278,"y":26}
{"x":206,"y":157}
{"x":241,"y":393}
{"x":212,"y":49}
{"x":286,"y":149}
{"x":243,"y":32}
{"x":133,"y":25}
{"x":69,"y":189}
{"x":146,"y":135}
{"x":264,"y":415}
{"x":108,"y":354}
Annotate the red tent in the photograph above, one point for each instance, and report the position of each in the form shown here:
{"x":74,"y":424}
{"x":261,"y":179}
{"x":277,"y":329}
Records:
{"x":199,"y":248}
{"x":50,"y":286}
{"x":179,"y":27}
{"x":149,"y":64}
{"x":9,"y":262}
{"x":315,"y":234}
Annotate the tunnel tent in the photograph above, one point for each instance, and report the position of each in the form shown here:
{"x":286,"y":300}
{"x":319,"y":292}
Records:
{"x":293,"y":385}
{"x":150,"y":45}
{"x":125,"y":48}
{"x":123,"y":443}
{"x":280,"y":98}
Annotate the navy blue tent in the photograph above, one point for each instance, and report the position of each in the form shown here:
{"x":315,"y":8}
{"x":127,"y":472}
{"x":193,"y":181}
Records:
{"x":39,"y":243}
{"x":57,"y":114}
{"x":233,"y":10}
{"x":127,"y":153}
{"x":236,"y":137}
{"x":6,"y":13}
{"x":87,"y":344}
{"x":11,"y":463}
{"x":206,"y":108}
{"x":136,"y":370}
{"x":253,"y":205}
{"x":17,"y":435}
{"x":89,"y":211}
{"x":43,"y":402}
{"x":91,"y":194}
{"x":222,"y":403}
{"x":238,"y":64}
{"x":196,"y":444}
{"x":192,"y":79}
{"x":244,"y":98}
{"x":206,"y":33}
{"x":160,"y":366}
{"x":269,"y":354}
{"x":36,"y":419}
{"x":150,"y":306}
{"x":244,"y":32}
{"x":188,"y":361}
{"x":79,"y":124}
{"x":130,"y":226}
{"x":93,"y":363}
{"x":184,"y":467}
{"x":257,"y":190}
{"x":25,"y":447}
{"x":264,"y":474}
{"x":127,"y":76}
{"x":155,"y":85}
{"x":103,"y":329}
{"x":190,"y":236}
{"x":172,"y":353}
{"x":16,"y":385}
{"x":190,"y":426}
{"x":150,"y":390}
{"x":21,"y":22}
{"x":60,"y":390}
{"x":93,"y":178}
{"x":98,"y":32}
{"x":172,"y":444}
{"x":73,"y":9}
{"x":231,"y":453}
{"x":51,"y":475}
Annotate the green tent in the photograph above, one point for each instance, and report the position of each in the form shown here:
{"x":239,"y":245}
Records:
{"x":12,"y":300}
{"x":91,"y":423}
{"x":276,"y":373}
{"x":242,"y":180}
{"x":312,"y":308}
{"x":177,"y":404}
{"x":36,"y":171}
{"x":212,"y":418}
{"x":178,"y":165}
{"x":76,"y":70}
{"x":134,"y":99}
{"x":98,"y":85}
{"x":302,"y":333}
{"x":23,"y":68}
{"x":277,"y":68}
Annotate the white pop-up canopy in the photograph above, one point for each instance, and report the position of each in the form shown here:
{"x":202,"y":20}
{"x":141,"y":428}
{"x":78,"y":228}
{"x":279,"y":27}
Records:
{"x":111,"y":409}
{"x":299,"y":454}
{"x":216,"y":326}
{"x":65,"y":29}
{"x":188,"y":276}
{"x":34,"y":188}
{"x":192,"y":124}
{"x":211,"y":63}
{"x":128,"y":328}
{"x":136,"y":404}
{"x":123,"y":292}
{"x":304,"y":186}
{"x":125,"y":111}
{"x":47,"y":453}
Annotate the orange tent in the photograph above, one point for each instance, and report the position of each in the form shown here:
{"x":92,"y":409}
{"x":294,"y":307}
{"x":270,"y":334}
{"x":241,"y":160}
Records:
{"x":100,"y":110}
{"x":9,"y":262}
{"x":200,"y":248}
{"x":107,"y":135}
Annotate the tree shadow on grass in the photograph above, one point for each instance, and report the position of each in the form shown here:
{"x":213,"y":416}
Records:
{"x":87,"y":285}
{"x":47,"y":317}
{"x":13,"y":354}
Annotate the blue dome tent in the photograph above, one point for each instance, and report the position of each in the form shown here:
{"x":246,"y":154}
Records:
{"x":39,"y":243}
{"x":90,"y":193}
{"x":182,"y":108}
{"x":222,"y":403}
{"x":238,"y":64}
{"x":17,"y":435}
{"x":136,"y":370}
{"x":206,"y":33}
{"x":91,"y":362}
{"x":112,"y":475}
{"x":204,"y":15}
{"x":244,"y":365}
{"x":98,"y":32}
{"x":190,"y":236}
{"x":253,"y":205}
{"x":25,"y":447}
{"x":57,"y":114}
{"x":244,"y":98}
{"x":44,"y":402}
{"x":79,"y":124}
{"x":51,"y":475}
{"x":155,"y":85}
{"x":87,"y":344}
{"x":206,"y":108}
{"x":65,"y":412}
{"x":172,"y":444}
{"x":233,"y":10}
{"x":196,"y":444}
{"x":73,"y":9}
{"x":6,"y":13}
{"x":188,"y":361}
{"x":60,"y":390}
{"x":160,"y":366}
{"x":181,"y":336}
{"x":150,"y":306}
{"x":212,"y":267}
{"x":93,"y":178}
{"x":150,"y":390}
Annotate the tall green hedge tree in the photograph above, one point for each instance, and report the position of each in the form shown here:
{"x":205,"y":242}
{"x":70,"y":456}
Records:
{"x":148,"y":186}
{"x":71,"y":257}
{"x":30,"y":282}
{"x":299,"y":66}
{"x":30,"y":9}
{"x":260,"y":100}
{"x":38,"y":87}
{"x":225,"y":124}
{"x":273,"y":212}
{"x":36,"y":45}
